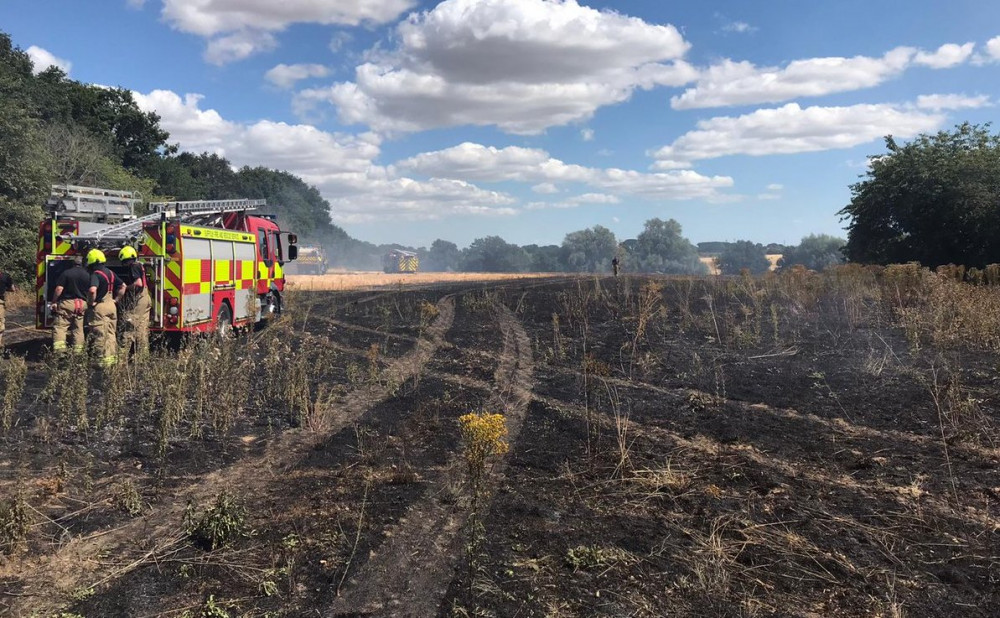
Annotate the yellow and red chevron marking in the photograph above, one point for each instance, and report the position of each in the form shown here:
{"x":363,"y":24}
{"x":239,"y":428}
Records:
{"x":172,"y":285}
{"x":49,"y":244}
{"x":151,"y":244}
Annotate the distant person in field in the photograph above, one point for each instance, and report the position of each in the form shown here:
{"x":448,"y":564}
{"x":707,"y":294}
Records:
{"x":69,"y":305}
{"x":6,"y":285}
{"x":614,"y":265}
{"x":135,"y":304}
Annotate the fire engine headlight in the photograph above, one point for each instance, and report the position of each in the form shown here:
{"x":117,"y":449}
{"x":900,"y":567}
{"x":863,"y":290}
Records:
{"x":173,"y":311}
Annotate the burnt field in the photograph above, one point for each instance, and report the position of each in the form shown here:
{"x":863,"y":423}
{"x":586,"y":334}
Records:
{"x":794,"y":445}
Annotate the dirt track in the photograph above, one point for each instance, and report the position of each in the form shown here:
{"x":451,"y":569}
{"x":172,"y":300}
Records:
{"x":646,"y":475}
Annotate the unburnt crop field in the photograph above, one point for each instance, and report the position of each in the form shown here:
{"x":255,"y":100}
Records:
{"x":799,"y":444}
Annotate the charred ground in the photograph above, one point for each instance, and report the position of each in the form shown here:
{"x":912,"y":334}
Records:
{"x":800,"y":445}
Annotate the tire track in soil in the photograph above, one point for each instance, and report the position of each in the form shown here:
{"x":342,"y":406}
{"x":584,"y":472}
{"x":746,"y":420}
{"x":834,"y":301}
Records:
{"x":75,"y":565}
{"x":708,"y":447}
{"x":410,"y":573}
{"x":705,"y":445}
{"x":838,"y":425}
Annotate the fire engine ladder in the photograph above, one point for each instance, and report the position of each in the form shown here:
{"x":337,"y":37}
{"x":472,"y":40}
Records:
{"x":128,"y":231}
{"x":197,"y":208}
{"x":92,"y":203}
{"x":119,"y":234}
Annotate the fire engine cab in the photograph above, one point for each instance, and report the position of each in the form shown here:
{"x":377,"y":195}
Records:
{"x":211,"y":265}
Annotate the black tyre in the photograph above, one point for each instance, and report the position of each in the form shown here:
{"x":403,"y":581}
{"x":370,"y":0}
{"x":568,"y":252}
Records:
{"x":224,"y":321}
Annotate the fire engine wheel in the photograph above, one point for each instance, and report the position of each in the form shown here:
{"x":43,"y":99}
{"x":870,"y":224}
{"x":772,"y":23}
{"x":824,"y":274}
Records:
{"x":224,"y":321}
{"x":271,"y":305}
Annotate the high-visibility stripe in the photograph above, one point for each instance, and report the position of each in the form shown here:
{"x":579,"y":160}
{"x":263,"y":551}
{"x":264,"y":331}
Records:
{"x":172,"y":286}
{"x":151,"y":244}
{"x":212,"y":233}
{"x":49,"y":244}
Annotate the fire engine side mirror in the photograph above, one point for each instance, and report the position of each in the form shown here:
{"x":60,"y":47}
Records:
{"x":293,"y":252}
{"x":292,"y":239}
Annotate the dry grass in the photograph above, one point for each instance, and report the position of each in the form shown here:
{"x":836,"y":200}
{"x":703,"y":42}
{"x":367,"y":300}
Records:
{"x":713,"y":268}
{"x":21,"y":298}
{"x":372,"y":279}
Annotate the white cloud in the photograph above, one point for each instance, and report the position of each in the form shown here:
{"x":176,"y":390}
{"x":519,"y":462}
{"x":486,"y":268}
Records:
{"x":43,"y":59}
{"x":773,"y":192}
{"x":946,"y":56}
{"x":545,"y":188}
{"x":286,"y":75}
{"x":587,"y":135}
{"x":342,"y":167}
{"x":339,"y":40}
{"x":239,"y":29}
{"x":576,"y":201}
{"x":522,"y":65}
{"x":478,"y":163}
{"x":135,"y":4}
{"x":594,"y":198}
{"x":993,"y":49}
{"x":743,"y":83}
{"x":405,"y":198}
{"x":237,"y":46}
{"x":792,"y":129}
{"x":740,"y":27}
{"x":213,"y":17}
{"x":937,"y":102}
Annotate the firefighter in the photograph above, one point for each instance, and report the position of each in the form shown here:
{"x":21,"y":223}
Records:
{"x":105,"y":289}
{"x":6,"y":285}
{"x":614,"y":265}
{"x":68,"y":305}
{"x":135,"y":304}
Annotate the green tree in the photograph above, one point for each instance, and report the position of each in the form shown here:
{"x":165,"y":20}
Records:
{"x":442,"y":256}
{"x":935,"y":200}
{"x":493,"y":254}
{"x":815,"y":252}
{"x":133,"y":136}
{"x":661,"y":248}
{"x":213,"y":175}
{"x":298,"y":205}
{"x":75,"y":155}
{"x":743,"y":254}
{"x":589,"y":250}
{"x":23,"y":173}
{"x":545,"y":258}
{"x":18,"y":237}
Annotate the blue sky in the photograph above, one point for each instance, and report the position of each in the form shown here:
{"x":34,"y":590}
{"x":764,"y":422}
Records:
{"x":533,"y":118}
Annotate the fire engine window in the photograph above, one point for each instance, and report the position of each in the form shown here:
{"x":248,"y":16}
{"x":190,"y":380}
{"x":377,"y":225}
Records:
{"x":53,"y":269}
{"x":265,"y":250}
{"x":276,"y":246}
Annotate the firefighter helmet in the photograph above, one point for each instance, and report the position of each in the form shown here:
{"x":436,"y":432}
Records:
{"x":95,"y":256}
{"x":127,"y":253}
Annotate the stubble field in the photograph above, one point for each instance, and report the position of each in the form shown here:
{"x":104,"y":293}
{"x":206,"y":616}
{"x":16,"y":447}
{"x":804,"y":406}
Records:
{"x":795,"y":445}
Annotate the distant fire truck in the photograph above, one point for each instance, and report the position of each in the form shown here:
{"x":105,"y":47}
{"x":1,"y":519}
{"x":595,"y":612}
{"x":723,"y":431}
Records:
{"x":400,"y":261}
{"x":312,"y":261}
{"x":210,"y":264}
